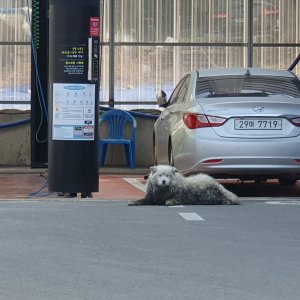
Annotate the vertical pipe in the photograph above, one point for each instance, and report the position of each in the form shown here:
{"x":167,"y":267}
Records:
{"x":210,"y":11}
{"x":227,"y":34}
{"x":111,"y":54}
{"x":250,"y":33}
{"x":176,"y":21}
{"x":245,"y":30}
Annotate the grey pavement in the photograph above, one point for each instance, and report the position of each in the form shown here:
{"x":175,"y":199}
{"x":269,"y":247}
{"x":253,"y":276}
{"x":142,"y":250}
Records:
{"x":107,"y":250}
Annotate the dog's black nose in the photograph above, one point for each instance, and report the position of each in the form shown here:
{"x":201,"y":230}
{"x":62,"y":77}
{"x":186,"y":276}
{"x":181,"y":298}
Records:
{"x":163,"y":182}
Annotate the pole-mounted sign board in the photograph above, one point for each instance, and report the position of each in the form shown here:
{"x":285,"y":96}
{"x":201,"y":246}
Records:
{"x":74,"y":56}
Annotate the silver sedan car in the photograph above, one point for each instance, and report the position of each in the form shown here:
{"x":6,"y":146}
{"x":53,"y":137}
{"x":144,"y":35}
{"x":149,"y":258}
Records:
{"x":232,"y":123}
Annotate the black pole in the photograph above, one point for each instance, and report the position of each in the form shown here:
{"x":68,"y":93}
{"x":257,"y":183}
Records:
{"x":73,"y":159}
{"x":250,"y":34}
{"x":111,"y":53}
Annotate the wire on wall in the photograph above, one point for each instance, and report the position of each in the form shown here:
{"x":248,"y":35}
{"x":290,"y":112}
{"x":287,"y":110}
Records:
{"x":35,"y":44}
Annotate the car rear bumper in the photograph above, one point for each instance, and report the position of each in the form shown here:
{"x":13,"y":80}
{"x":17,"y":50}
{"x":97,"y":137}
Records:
{"x":271,"y":158}
{"x":252,"y":167}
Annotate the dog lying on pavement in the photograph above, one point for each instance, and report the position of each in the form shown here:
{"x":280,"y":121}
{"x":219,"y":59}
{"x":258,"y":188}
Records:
{"x":167,"y":186}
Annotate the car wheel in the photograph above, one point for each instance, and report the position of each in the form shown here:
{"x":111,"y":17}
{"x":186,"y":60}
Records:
{"x":171,"y":158}
{"x":154,"y":152}
{"x":286,"y":181}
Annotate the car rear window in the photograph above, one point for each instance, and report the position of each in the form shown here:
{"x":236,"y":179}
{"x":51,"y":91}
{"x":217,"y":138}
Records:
{"x":247,"y":86}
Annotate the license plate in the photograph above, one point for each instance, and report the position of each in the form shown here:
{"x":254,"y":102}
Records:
{"x":258,"y":124}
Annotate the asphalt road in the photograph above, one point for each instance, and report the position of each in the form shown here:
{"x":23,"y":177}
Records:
{"x":107,"y":250}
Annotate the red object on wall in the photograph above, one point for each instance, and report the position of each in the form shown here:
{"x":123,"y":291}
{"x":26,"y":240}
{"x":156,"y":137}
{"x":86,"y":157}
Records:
{"x":94,"y":26}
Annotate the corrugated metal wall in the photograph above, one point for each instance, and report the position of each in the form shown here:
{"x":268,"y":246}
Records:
{"x":156,"y":42}
{"x":15,"y":57}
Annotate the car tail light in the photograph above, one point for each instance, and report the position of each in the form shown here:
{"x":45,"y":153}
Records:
{"x":193,"y":121}
{"x":297,"y":160}
{"x":295,"y":121}
{"x":213,"y":161}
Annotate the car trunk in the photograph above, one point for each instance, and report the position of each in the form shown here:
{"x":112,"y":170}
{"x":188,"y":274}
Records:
{"x":254,"y":118}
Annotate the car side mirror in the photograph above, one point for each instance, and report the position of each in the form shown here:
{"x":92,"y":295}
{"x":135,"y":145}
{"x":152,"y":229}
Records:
{"x":161,"y":98}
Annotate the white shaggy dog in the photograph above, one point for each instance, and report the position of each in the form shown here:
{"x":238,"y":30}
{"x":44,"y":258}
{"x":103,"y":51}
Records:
{"x":166,"y":186}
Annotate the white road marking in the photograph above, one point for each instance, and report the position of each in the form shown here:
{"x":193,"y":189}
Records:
{"x":284,"y":202}
{"x":191,"y":216}
{"x":264,"y":199}
{"x":175,"y":206}
{"x":136,"y":183}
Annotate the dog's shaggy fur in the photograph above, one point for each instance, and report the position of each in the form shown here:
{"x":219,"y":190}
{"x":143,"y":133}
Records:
{"x":166,"y":186}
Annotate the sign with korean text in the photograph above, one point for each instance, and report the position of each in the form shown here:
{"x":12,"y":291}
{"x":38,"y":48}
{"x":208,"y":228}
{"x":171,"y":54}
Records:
{"x":73,"y":111}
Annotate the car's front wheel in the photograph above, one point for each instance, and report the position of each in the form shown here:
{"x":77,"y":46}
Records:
{"x":154,"y":152}
{"x":171,"y":157}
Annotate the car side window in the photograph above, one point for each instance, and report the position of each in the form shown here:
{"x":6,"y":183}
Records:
{"x":178,"y":91}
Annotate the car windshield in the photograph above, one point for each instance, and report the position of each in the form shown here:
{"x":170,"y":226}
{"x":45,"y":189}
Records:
{"x":247,"y":86}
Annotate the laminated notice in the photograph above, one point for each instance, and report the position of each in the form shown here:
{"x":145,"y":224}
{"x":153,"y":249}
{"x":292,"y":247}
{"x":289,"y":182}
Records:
{"x":73,"y":111}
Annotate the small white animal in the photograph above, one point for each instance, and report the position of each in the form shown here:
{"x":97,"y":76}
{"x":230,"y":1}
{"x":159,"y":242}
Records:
{"x":167,"y":186}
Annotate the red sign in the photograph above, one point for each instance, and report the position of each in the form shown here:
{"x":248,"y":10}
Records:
{"x":94,"y":26}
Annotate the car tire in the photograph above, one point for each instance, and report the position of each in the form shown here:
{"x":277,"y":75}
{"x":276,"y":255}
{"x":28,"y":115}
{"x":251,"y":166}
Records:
{"x":154,"y":152}
{"x":171,"y":157}
{"x":285,"y":181}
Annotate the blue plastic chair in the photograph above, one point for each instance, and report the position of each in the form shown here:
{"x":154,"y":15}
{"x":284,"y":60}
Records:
{"x":117,"y":120}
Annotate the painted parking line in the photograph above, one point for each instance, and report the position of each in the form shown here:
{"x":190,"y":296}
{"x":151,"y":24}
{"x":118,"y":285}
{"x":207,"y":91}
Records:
{"x":136,"y":183}
{"x":191,"y":216}
{"x":286,"y":202}
{"x":268,"y":199}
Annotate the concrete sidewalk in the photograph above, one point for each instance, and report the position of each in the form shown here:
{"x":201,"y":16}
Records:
{"x":121,"y":183}
{"x":102,"y":170}
{"x":26,"y":183}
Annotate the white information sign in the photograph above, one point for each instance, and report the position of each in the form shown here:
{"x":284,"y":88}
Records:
{"x":73,"y":111}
